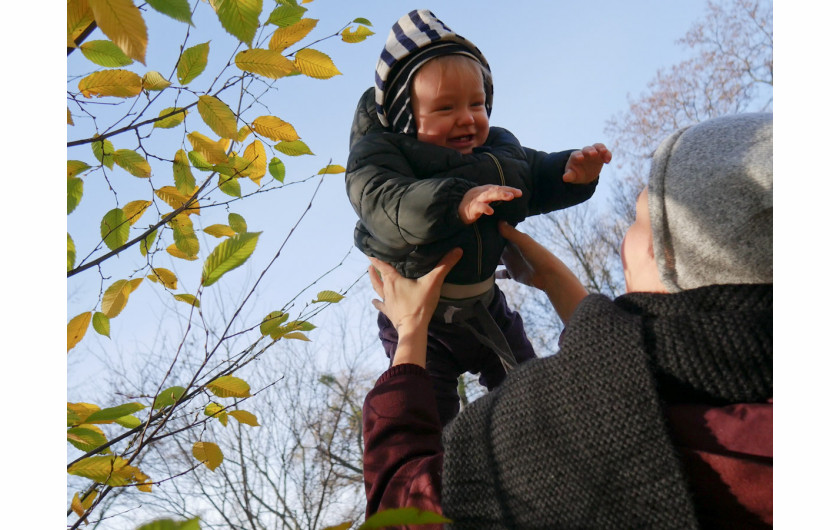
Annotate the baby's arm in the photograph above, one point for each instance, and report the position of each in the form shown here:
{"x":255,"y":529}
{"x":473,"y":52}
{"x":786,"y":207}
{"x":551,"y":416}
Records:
{"x":476,"y":201}
{"x":585,"y":165}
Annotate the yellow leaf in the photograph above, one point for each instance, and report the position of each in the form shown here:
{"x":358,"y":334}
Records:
{"x":176,"y":199}
{"x":220,"y":231}
{"x":208,"y":453}
{"x":116,"y":296}
{"x":171,"y":120}
{"x":79,"y":17}
{"x":218,"y":116}
{"x":296,"y":148}
{"x":184,"y":234}
{"x":243,"y":416}
{"x":110,"y":470}
{"x":133,"y":162}
{"x":187,"y":298}
{"x":360,"y":34}
{"x":178,"y":253}
{"x":76,"y":505}
{"x":275,"y":129}
{"x":255,"y":155}
{"x":142,"y":481}
{"x":296,"y":335}
{"x":116,"y":83}
{"x":229,"y":386}
{"x":166,"y":277}
{"x":330,"y":297}
{"x":213,"y":152}
{"x":74,"y":167}
{"x":122,"y":22}
{"x":268,"y":63}
{"x":69,"y":117}
{"x":76,"y":329}
{"x":134,"y":210}
{"x":243,"y":133}
{"x":315,"y":64}
{"x":192,"y":62}
{"x":331,"y":169}
{"x":154,"y":81}
{"x":78,"y":413}
{"x":285,"y":37}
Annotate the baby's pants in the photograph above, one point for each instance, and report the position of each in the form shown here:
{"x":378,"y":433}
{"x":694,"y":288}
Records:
{"x":453,"y":350}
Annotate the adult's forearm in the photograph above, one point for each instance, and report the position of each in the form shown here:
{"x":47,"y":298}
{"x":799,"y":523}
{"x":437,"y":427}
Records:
{"x":564,"y":291}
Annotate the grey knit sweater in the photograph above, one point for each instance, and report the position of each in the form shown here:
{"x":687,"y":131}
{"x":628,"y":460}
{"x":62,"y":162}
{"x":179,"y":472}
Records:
{"x":579,"y":439}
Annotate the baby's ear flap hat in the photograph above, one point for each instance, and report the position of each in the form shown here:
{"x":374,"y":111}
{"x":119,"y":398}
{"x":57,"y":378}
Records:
{"x":711,"y":203}
{"x":414,"y":39}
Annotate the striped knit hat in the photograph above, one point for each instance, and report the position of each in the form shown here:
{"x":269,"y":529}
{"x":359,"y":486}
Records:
{"x":415,"y":39}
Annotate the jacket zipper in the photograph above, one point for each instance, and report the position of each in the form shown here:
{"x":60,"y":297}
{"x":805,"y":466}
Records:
{"x":475,"y":225}
{"x":499,"y":167}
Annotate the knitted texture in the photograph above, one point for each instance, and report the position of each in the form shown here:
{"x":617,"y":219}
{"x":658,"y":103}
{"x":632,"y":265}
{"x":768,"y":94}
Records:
{"x":711,"y":203}
{"x":579,"y":440}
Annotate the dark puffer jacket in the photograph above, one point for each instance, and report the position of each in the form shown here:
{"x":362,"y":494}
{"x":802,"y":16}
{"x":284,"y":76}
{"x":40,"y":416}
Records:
{"x":406,"y":194}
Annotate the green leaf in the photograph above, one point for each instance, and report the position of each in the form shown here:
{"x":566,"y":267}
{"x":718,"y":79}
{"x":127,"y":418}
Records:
{"x":122,"y":22}
{"x":292,"y":327}
{"x":184,"y":179}
{"x":133,"y":162}
{"x":283,"y":16}
{"x":148,"y":242}
{"x":218,"y":116}
{"x":105,"y":53}
{"x":74,"y":167}
{"x":109,"y":470}
{"x":102,"y":324}
{"x":87,"y":438}
{"x":177,"y":9}
{"x":168,"y":397}
{"x":331,"y":297}
{"x":171,"y":121}
{"x":71,"y":252}
{"x":154,"y":81}
{"x":187,"y":298}
{"x":171,"y":524}
{"x":277,"y":169}
{"x":129,"y":422}
{"x":110,"y":414}
{"x":208,"y":453}
{"x":75,"y":188}
{"x":184,"y":234}
{"x":237,"y":223}
{"x":114,"y":228}
{"x":229,"y":386}
{"x":402,"y":517}
{"x":228,"y":255}
{"x":192,"y":62}
{"x":358,"y":35}
{"x":230,"y":186}
{"x":295,"y":148}
{"x":272,"y":321}
{"x":361,"y":20}
{"x":199,"y":162}
{"x":103,"y":150}
{"x":240,"y":18}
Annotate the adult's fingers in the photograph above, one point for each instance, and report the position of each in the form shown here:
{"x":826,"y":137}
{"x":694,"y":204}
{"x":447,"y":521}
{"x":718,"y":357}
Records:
{"x":375,"y":280}
{"x":445,"y":265}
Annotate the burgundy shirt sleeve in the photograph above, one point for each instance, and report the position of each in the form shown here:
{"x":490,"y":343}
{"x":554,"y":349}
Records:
{"x":727,"y":453}
{"x":403,"y":455}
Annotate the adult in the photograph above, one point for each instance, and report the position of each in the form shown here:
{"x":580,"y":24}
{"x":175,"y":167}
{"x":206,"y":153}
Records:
{"x":656,"y":412}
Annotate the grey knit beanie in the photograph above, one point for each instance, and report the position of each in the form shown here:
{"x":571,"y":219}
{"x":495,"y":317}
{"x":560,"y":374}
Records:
{"x":416,"y":38}
{"x":711,"y":203}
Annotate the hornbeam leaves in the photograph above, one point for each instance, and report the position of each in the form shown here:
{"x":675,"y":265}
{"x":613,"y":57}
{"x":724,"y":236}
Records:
{"x":275,"y":129}
{"x":87,"y":438}
{"x":358,"y":35}
{"x":146,"y":244}
{"x":75,"y":188}
{"x":255,"y":155}
{"x":286,"y":36}
{"x":218,"y":116}
{"x":331,"y":297}
{"x":171,"y":524}
{"x":240,"y":18}
{"x":213,"y":152}
{"x":237,"y":223}
{"x":177,"y":9}
{"x":110,"y":414}
{"x":74,"y":167}
{"x":229,"y":386}
{"x":165,"y":276}
{"x":243,"y":416}
{"x":272,"y":321}
{"x":133,"y":162}
{"x":168,"y":397}
{"x":192,"y":62}
{"x":402,"y":517}
{"x":79,"y":17}
{"x":267,"y":63}
{"x":315,"y":64}
{"x":103,"y":150}
{"x":229,"y":186}
{"x":116,"y":83}
{"x":170,"y":121}
{"x":296,"y":148}
{"x":134,"y":210}
{"x":154,"y":81}
{"x":114,"y":228}
{"x":277,"y":169}
{"x":76,"y":329}
{"x":121,"y":21}
{"x":187,"y":299}
{"x":80,"y":506}
{"x":176,"y":199}
{"x":105,"y":53}
{"x":116,"y":296}
{"x":286,"y":15}
{"x":184,"y":179}
{"x":102,"y":324}
{"x":214,"y":410}
{"x":184,"y":234}
{"x":77,"y":413}
{"x":219,"y":230}
{"x":71,"y":252}
{"x":228,"y":255}
{"x":109,"y":470}
{"x":290,"y":330}
{"x":208,"y":454}
{"x":331,"y":169}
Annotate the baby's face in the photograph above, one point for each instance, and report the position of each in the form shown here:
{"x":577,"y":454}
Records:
{"x":447,"y":99}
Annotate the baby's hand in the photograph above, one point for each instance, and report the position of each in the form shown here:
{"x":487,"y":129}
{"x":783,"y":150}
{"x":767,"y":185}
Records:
{"x":585,"y":165}
{"x":476,"y":201}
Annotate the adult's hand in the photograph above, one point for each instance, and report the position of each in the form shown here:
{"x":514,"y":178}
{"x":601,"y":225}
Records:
{"x":410,"y":304}
{"x":532,"y":264}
